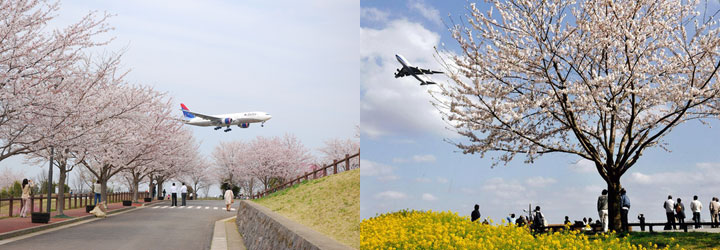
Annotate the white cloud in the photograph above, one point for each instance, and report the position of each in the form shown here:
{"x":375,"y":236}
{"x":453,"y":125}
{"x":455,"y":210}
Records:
{"x":373,"y":15}
{"x":428,"y":197}
{"x":499,"y":187}
{"x":539,"y":181}
{"x":373,"y":169}
{"x":416,"y":159}
{"x":423,"y":180}
{"x":391,"y":195}
{"x":391,"y":106}
{"x":442,"y":180}
{"x":428,"y":12}
{"x":583,"y":166}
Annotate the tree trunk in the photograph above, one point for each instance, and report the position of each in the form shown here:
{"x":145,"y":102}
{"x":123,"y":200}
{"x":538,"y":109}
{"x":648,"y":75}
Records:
{"x":135,"y":187}
{"x":103,"y":191}
{"x":614,"y":209}
{"x":160,"y":183}
{"x":61,"y":188}
{"x":151,"y":185}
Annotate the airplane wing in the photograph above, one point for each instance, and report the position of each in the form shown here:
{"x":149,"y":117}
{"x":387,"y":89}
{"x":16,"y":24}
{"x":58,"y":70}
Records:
{"x":206,"y":117}
{"x":416,"y":71}
{"x":407,"y":71}
{"x":402,"y":72}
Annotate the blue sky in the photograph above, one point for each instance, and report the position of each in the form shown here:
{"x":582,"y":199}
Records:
{"x":294,"y":60}
{"x":407,"y":164}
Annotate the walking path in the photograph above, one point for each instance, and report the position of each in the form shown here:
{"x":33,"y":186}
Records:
{"x":11,"y":227}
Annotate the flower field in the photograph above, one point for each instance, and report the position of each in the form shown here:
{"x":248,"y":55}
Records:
{"x":409,"y":229}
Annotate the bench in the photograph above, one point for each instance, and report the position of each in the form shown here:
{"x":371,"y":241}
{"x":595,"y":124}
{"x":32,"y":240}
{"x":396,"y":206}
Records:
{"x":684,"y":226}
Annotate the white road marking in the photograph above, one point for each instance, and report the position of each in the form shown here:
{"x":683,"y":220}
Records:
{"x":215,"y":208}
{"x":232,"y":209}
{"x":207,"y":207}
{"x":199,"y":207}
{"x":155,"y":207}
{"x":164,"y":206}
{"x":190,"y":207}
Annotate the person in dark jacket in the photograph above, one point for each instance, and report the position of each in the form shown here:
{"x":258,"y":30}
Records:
{"x":625,"y":205}
{"x":475,"y":215}
{"x":680,"y":213}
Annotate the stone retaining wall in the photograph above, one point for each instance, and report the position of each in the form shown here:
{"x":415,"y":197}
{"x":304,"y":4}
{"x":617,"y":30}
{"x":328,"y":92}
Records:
{"x":265,"y":229}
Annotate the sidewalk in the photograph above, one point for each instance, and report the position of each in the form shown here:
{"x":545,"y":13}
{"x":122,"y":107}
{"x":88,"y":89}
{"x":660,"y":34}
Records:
{"x":15,"y":226}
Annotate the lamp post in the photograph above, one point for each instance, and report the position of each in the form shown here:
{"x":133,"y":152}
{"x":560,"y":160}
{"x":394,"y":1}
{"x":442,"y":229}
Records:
{"x":50,"y":175}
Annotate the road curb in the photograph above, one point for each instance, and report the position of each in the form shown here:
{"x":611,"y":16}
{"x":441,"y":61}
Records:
{"x":20,"y":232}
{"x":220,"y":238}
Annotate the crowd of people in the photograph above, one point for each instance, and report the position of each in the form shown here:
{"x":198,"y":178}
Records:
{"x":674,"y":210}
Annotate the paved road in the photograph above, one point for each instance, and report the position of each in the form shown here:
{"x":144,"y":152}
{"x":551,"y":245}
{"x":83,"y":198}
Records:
{"x":154,"y":227}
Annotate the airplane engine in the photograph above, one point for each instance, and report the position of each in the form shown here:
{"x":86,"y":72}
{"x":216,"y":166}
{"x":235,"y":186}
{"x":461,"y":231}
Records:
{"x":227,"y":121}
{"x":244,"y":125}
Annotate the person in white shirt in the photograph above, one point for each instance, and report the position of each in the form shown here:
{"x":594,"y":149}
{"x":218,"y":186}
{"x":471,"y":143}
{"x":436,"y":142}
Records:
{"x":98,"y":194}
{"x":696,"y":207}
{"x":714,"y":209}
{"x":173,"y":192}
{"x":229,"y":196}
{"x":669,"y":206}
{"x":602,"y":206}
{"x":183,"y":193}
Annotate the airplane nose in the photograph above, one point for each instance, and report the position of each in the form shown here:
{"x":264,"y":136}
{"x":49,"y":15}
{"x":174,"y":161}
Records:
{"x":268,"y":117}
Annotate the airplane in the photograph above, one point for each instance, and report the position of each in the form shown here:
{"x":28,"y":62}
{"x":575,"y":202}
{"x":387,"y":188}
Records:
{"x":409,"y":70}
{"x":242,"y":120}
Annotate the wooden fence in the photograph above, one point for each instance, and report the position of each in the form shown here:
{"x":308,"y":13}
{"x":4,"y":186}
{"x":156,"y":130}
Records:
{"x":318,"y":173}
{"x":71,"y":201}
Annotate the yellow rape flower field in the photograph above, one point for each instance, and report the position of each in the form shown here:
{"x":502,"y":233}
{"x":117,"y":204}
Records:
{"x":409,"y":229}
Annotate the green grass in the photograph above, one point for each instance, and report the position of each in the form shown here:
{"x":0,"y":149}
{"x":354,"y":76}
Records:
{"x":329,"y":205}
{"x":689,"y":241}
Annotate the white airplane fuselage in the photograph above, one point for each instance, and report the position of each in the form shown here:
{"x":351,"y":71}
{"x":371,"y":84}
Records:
{"x":420,"y":77}
{"x":240,"y":119}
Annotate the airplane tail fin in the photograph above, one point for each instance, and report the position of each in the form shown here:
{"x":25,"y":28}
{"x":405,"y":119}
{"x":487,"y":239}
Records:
{"x":185,"y":110}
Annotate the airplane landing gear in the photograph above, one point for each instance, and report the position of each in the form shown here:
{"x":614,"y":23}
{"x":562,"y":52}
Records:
{"x":262,"y":124}
{"x":216,"y":128}
{"x":227,"y":130}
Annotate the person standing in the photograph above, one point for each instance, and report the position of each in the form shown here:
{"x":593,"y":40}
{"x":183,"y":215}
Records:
{"x":511,"y":219}
{"x":696,"y":207}
{"x":164,"y":193}
{"x":229,"y":198}
{"x":641,"y":218}
{"x":98,"y":194}
{"x":714,"y":209}
{"x":475,"y":215}
{"x":183,"y":193}
{"x":625,"y":205}
{"x":669,"y":206}
{"x":26,"y":189}
{"x":539,"y":222}
{"x":602,"y":207}
{"x":680,"y":213}
{"x":173,"y":192}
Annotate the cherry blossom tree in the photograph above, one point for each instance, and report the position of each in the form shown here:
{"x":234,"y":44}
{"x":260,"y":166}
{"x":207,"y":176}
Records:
{"x":198,"y":175}
{"x":605,"y":85}
{"x":34,"y":66}
{"x":132,"y":137}
{"x":336,"y":149}
{"x":268,"y":160}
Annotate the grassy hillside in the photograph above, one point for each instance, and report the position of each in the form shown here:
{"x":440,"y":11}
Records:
{"x":330,"y":205}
